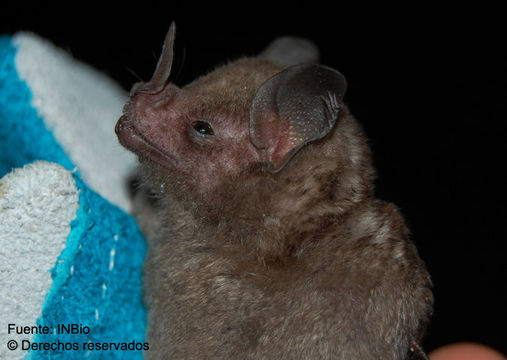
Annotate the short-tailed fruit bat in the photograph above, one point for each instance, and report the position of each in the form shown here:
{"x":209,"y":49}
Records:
{"x":267,"y":241}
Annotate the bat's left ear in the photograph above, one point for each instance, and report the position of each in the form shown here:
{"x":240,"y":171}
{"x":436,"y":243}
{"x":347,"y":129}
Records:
{"x":289,"y":50}
{"x":296,"y":106}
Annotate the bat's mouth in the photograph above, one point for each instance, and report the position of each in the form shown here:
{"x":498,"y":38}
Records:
{"x":132,"y":139}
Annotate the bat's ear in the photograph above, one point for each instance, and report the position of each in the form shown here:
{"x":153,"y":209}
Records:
{"x":293,"y":108}
{"x":163,"y":69}
{"x":288,"y":51}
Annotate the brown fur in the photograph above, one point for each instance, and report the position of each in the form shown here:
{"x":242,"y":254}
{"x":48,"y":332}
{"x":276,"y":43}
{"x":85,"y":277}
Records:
{"x":247,"y":264}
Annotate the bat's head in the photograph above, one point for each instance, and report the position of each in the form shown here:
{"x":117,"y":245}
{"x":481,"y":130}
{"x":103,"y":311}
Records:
{"x":258,"y":128}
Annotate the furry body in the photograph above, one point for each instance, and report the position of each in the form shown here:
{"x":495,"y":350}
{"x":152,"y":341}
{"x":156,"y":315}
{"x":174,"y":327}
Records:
{"x":246,"y":263}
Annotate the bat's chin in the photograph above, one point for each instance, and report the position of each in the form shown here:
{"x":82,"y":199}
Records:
{"x":132,"y":139}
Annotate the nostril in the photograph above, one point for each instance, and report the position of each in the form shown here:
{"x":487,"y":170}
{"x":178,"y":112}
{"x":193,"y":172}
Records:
{"x":160,"y":103}
{"x":122,"y":124}
{"x":119,"y":126}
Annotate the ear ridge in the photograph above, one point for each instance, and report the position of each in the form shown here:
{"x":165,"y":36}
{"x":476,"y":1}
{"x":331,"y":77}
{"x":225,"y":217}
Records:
{"x":294,"y":107}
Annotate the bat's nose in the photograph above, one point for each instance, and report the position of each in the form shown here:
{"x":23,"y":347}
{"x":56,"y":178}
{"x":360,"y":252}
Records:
{"x":119,"y":124}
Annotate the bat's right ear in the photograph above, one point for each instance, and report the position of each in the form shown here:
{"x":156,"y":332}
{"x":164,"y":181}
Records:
{"x":294,"y":107}
{"x":288,"y":51}
{"x":163,"y":69}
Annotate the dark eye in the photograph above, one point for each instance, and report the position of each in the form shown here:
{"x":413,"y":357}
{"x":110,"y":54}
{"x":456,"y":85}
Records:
{"x":202,"y":127}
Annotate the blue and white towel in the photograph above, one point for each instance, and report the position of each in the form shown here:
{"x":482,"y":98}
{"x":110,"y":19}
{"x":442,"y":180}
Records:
{"x":70,"y":254}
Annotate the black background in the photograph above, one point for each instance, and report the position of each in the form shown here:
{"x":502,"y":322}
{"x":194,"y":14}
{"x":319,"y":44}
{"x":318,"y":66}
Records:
{"x":428,"y":85}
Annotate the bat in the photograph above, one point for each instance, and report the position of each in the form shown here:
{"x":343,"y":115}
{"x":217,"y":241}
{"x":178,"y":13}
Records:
{"x":266,"y":240}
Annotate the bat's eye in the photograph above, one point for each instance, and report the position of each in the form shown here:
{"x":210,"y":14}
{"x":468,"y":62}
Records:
{"x":202,"y":127}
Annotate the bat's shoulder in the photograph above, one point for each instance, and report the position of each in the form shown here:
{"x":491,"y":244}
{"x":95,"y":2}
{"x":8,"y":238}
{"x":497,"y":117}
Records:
{"x":372,"y":242}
